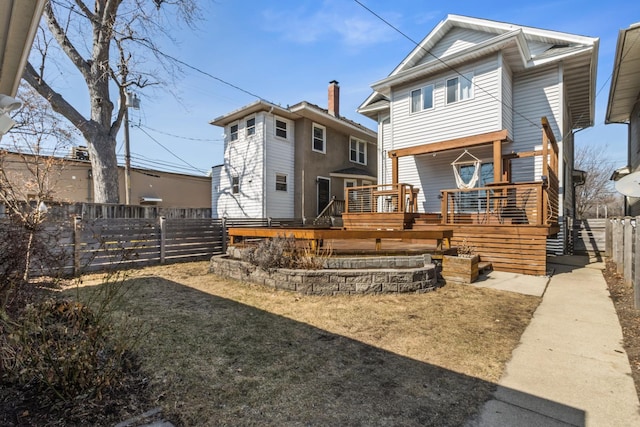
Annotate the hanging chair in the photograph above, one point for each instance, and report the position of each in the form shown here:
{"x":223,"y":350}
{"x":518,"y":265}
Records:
{"x":476,"y":171}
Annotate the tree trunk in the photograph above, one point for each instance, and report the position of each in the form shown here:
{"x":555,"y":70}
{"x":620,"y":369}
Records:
{"x":104,"y":167}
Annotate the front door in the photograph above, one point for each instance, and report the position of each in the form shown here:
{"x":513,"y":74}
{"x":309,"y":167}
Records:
{"x":324,"y":193}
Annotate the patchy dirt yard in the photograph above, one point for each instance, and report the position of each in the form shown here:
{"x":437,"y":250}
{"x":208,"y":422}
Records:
{"x":629,"y":316}
{"x":221,"y":352}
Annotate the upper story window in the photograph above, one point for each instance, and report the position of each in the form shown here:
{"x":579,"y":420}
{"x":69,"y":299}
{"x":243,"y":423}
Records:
{"x":233,"y":132}
{"x":358,"y":151}
{"x":459,"y":88}
{"x":319,"y":138}
{"x":250,"y":126}
{"x":235,"y":184}
{"x":281,"y":128}
{"x":281,"y":182}
{"x":422,"y":99}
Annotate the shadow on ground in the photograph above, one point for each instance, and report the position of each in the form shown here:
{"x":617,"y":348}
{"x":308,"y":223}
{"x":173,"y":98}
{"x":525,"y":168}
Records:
{"x":214,"y":361}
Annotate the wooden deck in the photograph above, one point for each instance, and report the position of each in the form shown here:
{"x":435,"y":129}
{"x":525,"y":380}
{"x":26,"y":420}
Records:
{"x":440,"y":235}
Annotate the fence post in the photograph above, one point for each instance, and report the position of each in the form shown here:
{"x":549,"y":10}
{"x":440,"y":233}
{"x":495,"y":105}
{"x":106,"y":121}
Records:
{"x":608,"y":231}
{"x":77,"y":240}
{"x":163,"y":236}
{"x":636,"y":275}
{"x":627,"y":262}
{"x":618,"y":243}
{"x":224,"y":235}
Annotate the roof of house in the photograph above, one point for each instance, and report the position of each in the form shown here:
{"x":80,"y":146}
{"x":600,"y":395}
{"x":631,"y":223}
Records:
{"x":302,"y":109}
{"x":523,"y":48}
{"x":353,"y":172}
{"x":625,"y":81}
{"x":19,"y":21}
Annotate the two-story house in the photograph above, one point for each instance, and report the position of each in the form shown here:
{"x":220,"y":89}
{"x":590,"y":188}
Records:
{"x":464,"y":110}
{"x":290,"y":162}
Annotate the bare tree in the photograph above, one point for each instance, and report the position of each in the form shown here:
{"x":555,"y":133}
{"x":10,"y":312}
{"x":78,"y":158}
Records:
{"x":597,"y":190}
{"x":111,"y":44}
{"x":28,"y":176}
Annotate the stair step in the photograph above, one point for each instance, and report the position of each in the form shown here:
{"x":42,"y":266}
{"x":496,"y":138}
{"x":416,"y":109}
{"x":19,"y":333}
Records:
{"x":485,"y":266}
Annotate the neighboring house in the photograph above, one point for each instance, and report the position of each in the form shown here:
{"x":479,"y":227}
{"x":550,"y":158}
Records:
{"x":624,"y":106}
{"x":69,"y":180}
{"x":290,"y":162}
{"x":19,"y":21}
{"x":484,"y":86}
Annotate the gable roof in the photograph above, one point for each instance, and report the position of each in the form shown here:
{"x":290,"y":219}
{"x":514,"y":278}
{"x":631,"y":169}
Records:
{"x":625,"y":82}
{"x":523,"y":47}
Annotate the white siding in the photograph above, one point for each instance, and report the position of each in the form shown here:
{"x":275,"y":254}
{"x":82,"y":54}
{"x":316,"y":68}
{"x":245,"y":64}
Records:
{"x":446,"y":121}
{"x":279,"y":159}
{"x":216,"y":172}
{"x":634,"y":154}
{"x":384,"y":142}
{"x":507,"y":98}
{"x":456,"y":40}
{"x":242,"y":158}
{"x":535,"y":95}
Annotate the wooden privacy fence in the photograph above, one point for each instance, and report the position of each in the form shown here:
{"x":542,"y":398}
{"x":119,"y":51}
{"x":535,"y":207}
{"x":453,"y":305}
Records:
{"x":622,"y":246}
{"x":92,"y":245}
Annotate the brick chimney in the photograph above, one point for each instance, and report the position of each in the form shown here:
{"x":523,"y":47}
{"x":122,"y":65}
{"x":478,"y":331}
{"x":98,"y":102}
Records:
{"x":334,"y":98}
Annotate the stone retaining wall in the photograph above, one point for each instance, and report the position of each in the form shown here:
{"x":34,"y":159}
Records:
{"x":332,"y":281}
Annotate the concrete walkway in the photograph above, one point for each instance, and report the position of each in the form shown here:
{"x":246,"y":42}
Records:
{"x":570,"y":368}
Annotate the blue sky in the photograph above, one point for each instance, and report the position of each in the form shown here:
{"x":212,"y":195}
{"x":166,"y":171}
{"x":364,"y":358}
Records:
{"x":287,"y":51}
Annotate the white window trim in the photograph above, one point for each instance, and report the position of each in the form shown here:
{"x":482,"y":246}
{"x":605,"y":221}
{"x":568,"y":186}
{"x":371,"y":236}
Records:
{"x":324,"y":138}
{"x":364,"y":143}
{"x":466,"y":77}
{"x":421,"y":106}
{"x":277,"y":119}
{"x":235,"y":188}
{"x":247,"y":127}
{"x":236,"y":133}
{"x":349,"y":181}
{"x":286,"y":182}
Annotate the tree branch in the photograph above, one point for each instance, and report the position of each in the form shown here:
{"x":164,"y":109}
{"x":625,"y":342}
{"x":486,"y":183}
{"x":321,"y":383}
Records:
{"x":60,"y":35}
{"x":58,"y":103}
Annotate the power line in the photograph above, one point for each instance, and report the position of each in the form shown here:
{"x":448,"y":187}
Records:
{"x":443,"y":62}
{"x":176,"y":136}
{"x":171,"y":152}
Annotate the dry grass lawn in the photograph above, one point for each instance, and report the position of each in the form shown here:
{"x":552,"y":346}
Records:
{"x":220,"y":352}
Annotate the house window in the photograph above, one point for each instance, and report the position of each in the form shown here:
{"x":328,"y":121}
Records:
{"x":234,"y":132}
{"x":460,"y":88}
{"x":318,"y":143}
{"x":281,"y":128}
{"x":235,"y":184}
{"x":422,"y":99}
{"x":281,"y":182}
{"x":475,"y":200}
{"x":251,"y":126}
{"x":358,"y":151}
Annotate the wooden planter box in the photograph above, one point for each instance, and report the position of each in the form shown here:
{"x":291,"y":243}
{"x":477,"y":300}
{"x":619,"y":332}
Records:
{"x":460,"y":269}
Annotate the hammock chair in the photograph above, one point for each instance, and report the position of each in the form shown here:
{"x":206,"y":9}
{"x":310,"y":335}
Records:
{"x":476,"y":171}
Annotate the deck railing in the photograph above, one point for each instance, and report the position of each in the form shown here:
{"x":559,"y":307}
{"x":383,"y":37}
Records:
{"x":527,"y":203}
{"x":334,"y":208}
{"x":381,"y":198}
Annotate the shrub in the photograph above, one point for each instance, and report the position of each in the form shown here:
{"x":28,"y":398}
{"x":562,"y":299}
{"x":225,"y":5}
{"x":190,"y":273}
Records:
{"x":284,"y":252}
{"x":63,"y":349}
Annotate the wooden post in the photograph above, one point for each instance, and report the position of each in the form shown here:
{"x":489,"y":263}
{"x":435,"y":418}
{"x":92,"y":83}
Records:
{"x":77,"y":242}
{"x":627,"y":255}
{"x":545,"y":153}
{"x":636,"y":260}
{"x":224,"y":235}
{"x":163,"y":237}
{"x":394,"y":168}
{"x":497,"y":161}
{"x":618,"y":247}
{"x":444,"y":208}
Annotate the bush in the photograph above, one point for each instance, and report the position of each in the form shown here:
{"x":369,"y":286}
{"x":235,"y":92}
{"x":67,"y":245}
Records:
{"x":62,"y":349}
{"x":283,"y":252}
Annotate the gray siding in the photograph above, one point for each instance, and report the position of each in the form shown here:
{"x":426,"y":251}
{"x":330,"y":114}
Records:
{"x":535,"y":94}
{"x":456,"y":40}
{"x":446,"y":121}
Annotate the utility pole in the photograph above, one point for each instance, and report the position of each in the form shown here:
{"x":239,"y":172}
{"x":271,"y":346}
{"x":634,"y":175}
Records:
{"x":131,"y":101}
